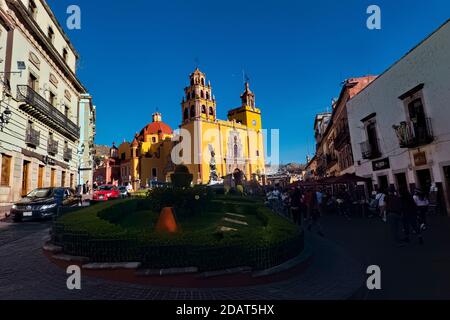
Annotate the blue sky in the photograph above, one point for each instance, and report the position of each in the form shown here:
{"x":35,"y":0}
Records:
{"x":136,"y":56}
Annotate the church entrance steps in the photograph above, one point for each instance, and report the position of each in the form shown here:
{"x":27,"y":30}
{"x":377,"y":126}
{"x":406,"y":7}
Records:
{"x":242,"y":223}
{"x":227,"y":229}
{"x":235,"y":215}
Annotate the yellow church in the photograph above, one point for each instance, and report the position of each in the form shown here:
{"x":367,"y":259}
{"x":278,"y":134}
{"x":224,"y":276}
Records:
{"x":212,"y":149}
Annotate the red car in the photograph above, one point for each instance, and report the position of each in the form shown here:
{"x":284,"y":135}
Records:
{"x":106,"y":192}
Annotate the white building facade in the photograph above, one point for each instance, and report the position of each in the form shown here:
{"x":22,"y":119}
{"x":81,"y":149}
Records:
{"x":40,"y":90}
{"x":400,"y":123}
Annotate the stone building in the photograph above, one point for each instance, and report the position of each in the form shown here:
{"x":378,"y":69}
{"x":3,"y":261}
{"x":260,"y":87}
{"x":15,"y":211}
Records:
{"x":41,"y":94}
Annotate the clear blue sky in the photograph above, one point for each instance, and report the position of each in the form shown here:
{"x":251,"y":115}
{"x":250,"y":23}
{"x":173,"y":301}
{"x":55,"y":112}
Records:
{"x":136,"y":56}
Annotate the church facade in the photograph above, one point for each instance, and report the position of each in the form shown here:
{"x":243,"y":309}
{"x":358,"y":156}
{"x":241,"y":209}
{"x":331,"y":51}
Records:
{"x":211,"y":148}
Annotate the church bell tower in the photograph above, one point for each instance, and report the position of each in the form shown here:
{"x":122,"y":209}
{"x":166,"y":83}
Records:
{"x":198,"y":102}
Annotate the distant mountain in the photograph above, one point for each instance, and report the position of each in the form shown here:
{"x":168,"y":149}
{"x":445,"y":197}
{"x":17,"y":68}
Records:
{"x":102,"y":150}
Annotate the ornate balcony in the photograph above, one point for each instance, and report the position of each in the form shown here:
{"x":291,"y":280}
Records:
{"x":40,"y":108}
{"x":411,"y":135}
{"x":370,"y":150}
{"x":32,"y":137}
{"x":52,"y":147}
{"x":67,"y":154}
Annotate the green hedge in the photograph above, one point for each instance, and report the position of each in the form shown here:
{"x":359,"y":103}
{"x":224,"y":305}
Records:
{"x":94,"y":232}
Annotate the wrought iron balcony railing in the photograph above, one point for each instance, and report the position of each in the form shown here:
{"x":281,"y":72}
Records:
{"x":67,"y":154}
{"x":40,"y":108}
{"x":411,"y":135}
{"x":52,"y":147}
{"x":370,"y":150}
{"x":32,"y":137}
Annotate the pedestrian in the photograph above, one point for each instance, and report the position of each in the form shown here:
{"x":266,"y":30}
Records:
{"x":394,"y":215}
{"x":296,"y":206}
{"x":409,"y":216}
{"x":422,"y":204}
{"x":381,"y":203}
{"x":314,"y":215}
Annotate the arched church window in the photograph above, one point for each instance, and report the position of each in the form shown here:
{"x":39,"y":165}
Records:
{"x":192,"y":111}
{"x":203,"y":82}
{"x":202,"y":94}
{"x":192,"y":95}
{"x":186,"y":114}
{"x":203,"y":109}
{"x":207,"y":95}
{"x":192,"y":81}
{"x":211,"y":111}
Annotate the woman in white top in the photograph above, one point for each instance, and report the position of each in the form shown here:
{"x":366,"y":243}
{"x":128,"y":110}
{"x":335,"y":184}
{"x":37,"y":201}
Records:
{"x":381,"y":196}
{"x":422,"y":204}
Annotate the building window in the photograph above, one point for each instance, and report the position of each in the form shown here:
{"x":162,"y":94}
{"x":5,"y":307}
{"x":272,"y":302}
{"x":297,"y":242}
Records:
{"x":123,"y":156}
{"x":154,"y":173}
{"x":257,"y":153}
{"x":186,"y":114}
{"x":153,"y":139}
{"x":192,"y":81}
{"x":211,"y":111}
{"x":202,"y":94}
{"x":6,"y":170}
{"x":192,"y":112}
{"x":65,"y":54}
{"x":203,"y":82}
{"x":52,"y":98}
{"x":207,"y":95}
{"x":192,"y":95}
{"x":32,"y":9}
{"x":33,"y":82}
{"x":204,"y":109}
{"x":51,"y":34}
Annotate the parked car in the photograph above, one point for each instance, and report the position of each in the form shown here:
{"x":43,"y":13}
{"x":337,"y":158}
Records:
{"x":124,"y":192}
{"x":105,"y":193}
{"x":44,"y":203}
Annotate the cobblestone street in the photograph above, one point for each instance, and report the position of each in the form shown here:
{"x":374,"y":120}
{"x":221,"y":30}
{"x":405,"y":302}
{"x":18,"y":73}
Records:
{"x":411,"y":272}
{"x":25,"y":273}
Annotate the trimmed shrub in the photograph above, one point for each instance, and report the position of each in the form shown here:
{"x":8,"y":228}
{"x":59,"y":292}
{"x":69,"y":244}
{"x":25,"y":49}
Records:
{"x":181,"y":178}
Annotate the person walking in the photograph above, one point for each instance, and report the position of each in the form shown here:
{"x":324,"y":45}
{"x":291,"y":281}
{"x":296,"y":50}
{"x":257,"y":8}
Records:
{"x":314,"y":214}
{"x":422,"y":204}
{"x":380,"y":198}
{"x":394,"y":215}
{"x":295,"y":201}
{"x":409,"y":215}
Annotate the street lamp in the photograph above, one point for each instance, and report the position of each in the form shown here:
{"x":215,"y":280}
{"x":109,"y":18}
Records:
{"x":5,"y":116}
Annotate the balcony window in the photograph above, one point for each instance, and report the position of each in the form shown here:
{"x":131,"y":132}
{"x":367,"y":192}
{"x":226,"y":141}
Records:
{"x":418,"y":130}
{"x":33,"y":82}
{"x":370,"y":148}
{"x":32,"y":136}
{"x":52,"y":147}
{"x":67,"y":154}
{"x":52,"y":98}
{"x":33,"y":103}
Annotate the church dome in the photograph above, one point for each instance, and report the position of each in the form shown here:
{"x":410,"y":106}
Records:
{"x":156,"y":127}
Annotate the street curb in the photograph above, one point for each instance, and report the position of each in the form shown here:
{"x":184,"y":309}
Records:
{"x":166,"y":272}
{"x":210,"y":274}
{"x":68,"y":258}
{"x":112,"y":266}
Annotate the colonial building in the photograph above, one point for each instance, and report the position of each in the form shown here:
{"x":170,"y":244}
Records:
{"x":40,"y":98}
{"x":399,"y":124}
{"x":209,"y":147}
{"x":334,"y":150}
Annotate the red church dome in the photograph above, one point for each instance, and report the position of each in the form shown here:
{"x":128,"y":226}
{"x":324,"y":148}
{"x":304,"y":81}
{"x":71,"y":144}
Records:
{"x":156,"y":127}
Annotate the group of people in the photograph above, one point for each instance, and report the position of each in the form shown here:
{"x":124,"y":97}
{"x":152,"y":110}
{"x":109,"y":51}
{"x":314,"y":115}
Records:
{"x":299,"y":205}
{"x":405,"y":213}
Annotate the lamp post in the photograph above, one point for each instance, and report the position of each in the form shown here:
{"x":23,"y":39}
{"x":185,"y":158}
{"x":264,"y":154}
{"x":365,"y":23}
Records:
{"x":5,"y":116}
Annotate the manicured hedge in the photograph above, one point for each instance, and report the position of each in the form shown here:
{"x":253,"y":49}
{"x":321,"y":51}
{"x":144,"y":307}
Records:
{"x":94,"y":232}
